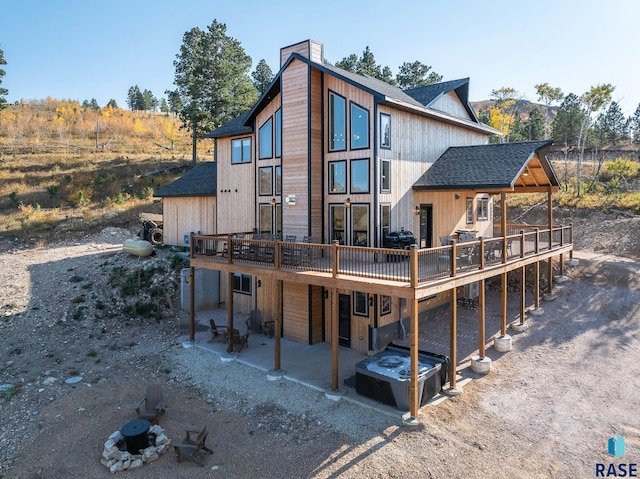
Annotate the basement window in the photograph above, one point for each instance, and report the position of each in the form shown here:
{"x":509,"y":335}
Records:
{"x":241,"y":283}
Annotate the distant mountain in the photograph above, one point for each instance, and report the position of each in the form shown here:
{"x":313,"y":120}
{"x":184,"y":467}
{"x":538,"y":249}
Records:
{"x":523,"y":106}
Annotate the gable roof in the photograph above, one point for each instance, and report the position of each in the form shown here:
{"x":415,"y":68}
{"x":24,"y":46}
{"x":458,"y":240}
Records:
{"x":428,"y":95}
{"x":381,"y":90}
{"x":199,"y":181}
{"x":500,"y":166}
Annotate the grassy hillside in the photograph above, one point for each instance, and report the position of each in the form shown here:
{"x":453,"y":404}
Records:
{"x":65,"y":169}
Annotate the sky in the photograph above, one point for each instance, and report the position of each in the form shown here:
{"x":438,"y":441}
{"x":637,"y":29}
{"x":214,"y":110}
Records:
{"x":84,"y":49}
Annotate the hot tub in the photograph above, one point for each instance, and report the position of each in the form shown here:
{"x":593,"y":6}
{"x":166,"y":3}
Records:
{"x":386,"y":377}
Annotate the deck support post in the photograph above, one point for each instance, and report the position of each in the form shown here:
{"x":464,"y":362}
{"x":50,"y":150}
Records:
{"x":334,"y":339}
{"x":277,"y":351}
{"x":453,"y":354}
{"x":192,"y":301}
{"x":503,"y":304}
{"x":413,"y":349}
{"x":230,"y":309}
{"x":550,"y":221}
{"x":481,"y":364}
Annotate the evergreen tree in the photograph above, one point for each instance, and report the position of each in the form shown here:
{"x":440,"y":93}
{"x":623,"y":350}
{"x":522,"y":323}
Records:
{"x":149,"y":101}
{"x":212,"y":79}
{"x":634,"y":126}
{"x":613,"y":124}
{"x":135,"y":100}
{"x":3,"y":91}
{"x":262,"y":76}
{"x":112,"y":103}
{"x":566,"y":124}
{"x":164,"y":107}
{"x":416,"y":74}
{"x":366,"y":65}
{"x":535,"y":125}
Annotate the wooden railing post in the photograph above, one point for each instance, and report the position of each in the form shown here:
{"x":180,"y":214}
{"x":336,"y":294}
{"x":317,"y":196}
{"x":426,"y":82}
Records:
{"x":454,"y":251}
{"x":229,"y":249}
{"x":522,"y":255}
{"x":191,"y":244}
{"x":277,"y":254}
{"x":571,"y":239}
{"x":335,"y":258}
{"x":413,"y":265}
{"x":481,"y":252}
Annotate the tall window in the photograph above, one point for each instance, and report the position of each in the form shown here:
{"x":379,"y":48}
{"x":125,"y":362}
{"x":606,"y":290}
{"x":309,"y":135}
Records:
{"x":359,"y":127}
{"x":278,"y":133}
{"x":360,"y":225}
{"x":385,"y":305}
{"x":266,"y":143}
{"x":338,"y":177}
{"x":385,"y":131}
{"x":359,"y":176}
{"x":241,"y":283}
{"x":385,"y":221}
{"x":483,"y":209}
{"x":266,"y":219}
{"x":469,"y":211}
{"x":336,"y":221}
{"x":241,"y":150}
{"x":278,"y":180}
{"x":337,"y":123}
{"x":265,"y":180}
{"x":385,"y":176}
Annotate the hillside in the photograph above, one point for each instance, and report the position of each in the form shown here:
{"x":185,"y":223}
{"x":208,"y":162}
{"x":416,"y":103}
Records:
{"x":65,"y":169}
{"x":524,"y":107}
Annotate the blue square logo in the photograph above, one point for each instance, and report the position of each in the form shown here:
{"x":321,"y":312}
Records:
{"x":615,"y":446}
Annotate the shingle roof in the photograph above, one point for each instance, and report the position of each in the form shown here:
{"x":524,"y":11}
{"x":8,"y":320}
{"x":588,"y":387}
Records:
{"x":199,"y":181}
{"x":232,"y":128}
{"x":426,"y":95}
{"x":484,"y":166}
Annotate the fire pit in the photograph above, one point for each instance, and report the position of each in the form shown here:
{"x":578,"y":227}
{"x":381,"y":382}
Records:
{"x":117,"y":454}
{"x":386,"y":377}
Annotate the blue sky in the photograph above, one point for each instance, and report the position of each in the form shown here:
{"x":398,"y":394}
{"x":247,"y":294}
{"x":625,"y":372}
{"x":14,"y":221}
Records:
{"x":83,"y":49}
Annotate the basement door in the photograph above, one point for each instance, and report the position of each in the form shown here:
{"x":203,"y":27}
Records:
{"x":426,"y":226}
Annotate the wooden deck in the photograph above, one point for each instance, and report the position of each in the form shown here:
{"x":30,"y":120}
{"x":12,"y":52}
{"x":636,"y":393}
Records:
{"x":412,"y":273}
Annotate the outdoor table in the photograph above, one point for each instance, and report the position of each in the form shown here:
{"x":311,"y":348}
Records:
{"x":135,"y":435}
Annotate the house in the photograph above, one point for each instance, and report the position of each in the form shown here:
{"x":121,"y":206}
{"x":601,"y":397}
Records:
{"x":331,"y":172}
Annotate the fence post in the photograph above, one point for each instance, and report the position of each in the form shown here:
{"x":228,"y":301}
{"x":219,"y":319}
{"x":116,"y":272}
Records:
{"x":413,"y":265}
{"x":335,"y":258}
{"x":454,"y":265}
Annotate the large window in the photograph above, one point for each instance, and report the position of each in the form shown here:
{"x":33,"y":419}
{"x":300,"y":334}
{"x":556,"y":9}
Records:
{"x":360,"y":303}
{"x":278,"y":180}
{"x":385,"y":176}
{"x":266,"y":141}
{"x":278,"y":133}
{"x":338,"y":177}
{"x":359,"y":176}
{"x":359,"y":127}
{"x":241,"y":150}
{"x":360,"y":225}
{"x":265,"y":180}
{"x":266,"y":219}
{"x":483,"y":209}
{"x":385,"y":131}
{"x":337,"y":123}
{"x":241,"y":283}
{"x":336,"y":222}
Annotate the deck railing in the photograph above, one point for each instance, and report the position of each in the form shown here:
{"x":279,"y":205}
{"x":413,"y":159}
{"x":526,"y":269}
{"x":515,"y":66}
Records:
{"x":379,"y":263}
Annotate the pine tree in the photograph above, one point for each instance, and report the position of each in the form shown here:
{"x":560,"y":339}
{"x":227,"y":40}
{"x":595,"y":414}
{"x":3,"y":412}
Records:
{"x":262,"y":76}
{"x":3,"y":91}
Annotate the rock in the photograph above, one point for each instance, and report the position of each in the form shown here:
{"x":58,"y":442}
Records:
{"x":136,"y":463}
{"x":118,"y":466}
{"x":150,"y":454}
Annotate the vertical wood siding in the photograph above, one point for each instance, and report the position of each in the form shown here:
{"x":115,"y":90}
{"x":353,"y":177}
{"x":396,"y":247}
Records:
{"x":182,"y":215}
{"x":451,"y":104}
{"x":295,"y":311}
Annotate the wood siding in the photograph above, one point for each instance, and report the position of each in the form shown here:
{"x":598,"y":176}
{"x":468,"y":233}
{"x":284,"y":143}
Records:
{"x":268,"y":298}
{"x":182,"y":215}
{"x":295,"y":311}
{"x":236,"y":190}
{"x":308,"y":49}
{"x":416,"y":143}
{"x":295,"y":148}
{"x":451,"y":104}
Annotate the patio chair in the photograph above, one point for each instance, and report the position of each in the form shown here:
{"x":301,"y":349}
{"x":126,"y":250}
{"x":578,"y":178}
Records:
{"x":190,"y":448}
{"x":257,"y":325}
{"x":152,"y":406}
{"x":237,"y":339}
{"x":217,"y":332}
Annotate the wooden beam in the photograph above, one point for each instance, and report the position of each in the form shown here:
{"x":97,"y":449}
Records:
{"x":523,"y":293}
{"x":334,"y":339}
{"x":503,"y":304}
{"x":481,"y":319}
{"x":413,"y":388}
{"x":277,"y":350}
{"x":453,"y":354}
{"x":192,"y":303}
{"x":230,"y":311}
{"x":550,"y":225}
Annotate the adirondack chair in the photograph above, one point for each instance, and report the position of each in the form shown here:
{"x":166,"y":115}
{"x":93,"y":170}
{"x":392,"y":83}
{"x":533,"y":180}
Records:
{"x":217,"y":332}
{"x":257,"y":325}
{"x":190,"y":448}
{"x":152,"y":406}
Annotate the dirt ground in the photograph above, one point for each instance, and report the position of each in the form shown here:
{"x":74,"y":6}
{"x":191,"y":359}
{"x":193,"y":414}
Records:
{"x":546,"y":409}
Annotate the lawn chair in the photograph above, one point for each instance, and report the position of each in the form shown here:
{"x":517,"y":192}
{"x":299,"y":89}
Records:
{"x":190,"y":448}
{"x":257,"y":325}
{"x":152,"y":406}
{"x":217,"y":332}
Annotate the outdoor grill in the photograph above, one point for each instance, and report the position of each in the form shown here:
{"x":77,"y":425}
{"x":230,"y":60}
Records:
{"x":398,"y":240}
{"x":386,"y":377}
